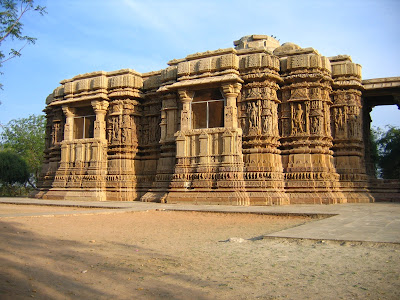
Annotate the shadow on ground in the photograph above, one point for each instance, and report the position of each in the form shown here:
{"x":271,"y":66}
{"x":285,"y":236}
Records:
{"x":34,"y":265}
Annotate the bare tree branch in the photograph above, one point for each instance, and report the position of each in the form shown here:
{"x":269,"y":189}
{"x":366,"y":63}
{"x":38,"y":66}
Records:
{"x":16,"y":53}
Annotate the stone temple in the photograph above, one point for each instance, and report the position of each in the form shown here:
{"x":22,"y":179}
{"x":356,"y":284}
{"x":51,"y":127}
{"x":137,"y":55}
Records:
{"x":257,"y":124}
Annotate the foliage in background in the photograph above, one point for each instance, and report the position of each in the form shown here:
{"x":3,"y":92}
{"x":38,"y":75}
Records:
{"x":389,"y":158}
{"x":374,"y":153}
{"x":26,"y":137}
{"x":11,"y":27}
{"x":13,"y":173}
{"x":385,"y":152}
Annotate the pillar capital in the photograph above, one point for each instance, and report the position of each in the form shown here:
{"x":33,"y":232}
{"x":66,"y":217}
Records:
{"x":186,"y":95}
{"x":69,"y":112}
{"x":100,"y":106}
{"x":231,"y":89}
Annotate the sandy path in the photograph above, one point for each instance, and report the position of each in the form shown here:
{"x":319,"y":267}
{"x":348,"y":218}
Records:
{"x":185,"y":255}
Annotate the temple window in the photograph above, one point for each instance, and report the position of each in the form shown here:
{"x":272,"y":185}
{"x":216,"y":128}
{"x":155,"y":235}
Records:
{"x":208,"y":109}
{"x":84,"y":123}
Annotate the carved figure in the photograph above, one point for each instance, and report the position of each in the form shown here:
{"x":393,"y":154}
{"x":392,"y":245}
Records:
{"x":254,"y":115}
{"x":298,"y":120}
{"x":249,"y":114}
{"x":244,"y":125}
{"x":338,"y":118}
{"x":56,"y":134}
{"x":315,"y":125}
{"x":115,"y":129}
{"x":185,"y":118}
{"x":267,"y":121}
{"x":353,"y":126}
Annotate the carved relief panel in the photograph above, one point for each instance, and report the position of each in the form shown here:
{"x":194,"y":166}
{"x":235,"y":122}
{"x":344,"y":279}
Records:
{"x":54,"y":128}
{"x":298,"y":118}
{"x":122,"y":124}
{"x":258,"y":110}
{"x":347,"y":115}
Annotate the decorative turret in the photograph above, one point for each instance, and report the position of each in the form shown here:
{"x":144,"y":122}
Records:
{"x":257,"y":41}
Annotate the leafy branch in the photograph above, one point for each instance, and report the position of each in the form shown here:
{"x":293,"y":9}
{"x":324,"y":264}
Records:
{"x":11,"y":26}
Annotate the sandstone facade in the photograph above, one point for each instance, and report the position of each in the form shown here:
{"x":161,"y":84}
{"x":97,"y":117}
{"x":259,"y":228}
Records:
{"x":258,"y":124}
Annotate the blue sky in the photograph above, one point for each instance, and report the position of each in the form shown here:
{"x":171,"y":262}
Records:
{"x":81,"y":36}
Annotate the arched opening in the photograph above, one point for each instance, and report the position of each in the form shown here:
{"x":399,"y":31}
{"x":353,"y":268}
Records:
{"x":384,"y":118}
{"x":380,"y":98}
{"x":384,"y":135}
{"x":385,"y":115}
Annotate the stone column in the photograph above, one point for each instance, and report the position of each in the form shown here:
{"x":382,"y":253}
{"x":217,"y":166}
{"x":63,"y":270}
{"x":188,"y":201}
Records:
{"x":66,"y":155}
{"x":100,"y":109}
{"x":69,"y":123}
{"x":182,"y":168}
{"x":259,"y":121}
{"x":231,"y":169}
{"x":231,"y":92}
{"x":122,"y":146}
{"x":369,"y":164}
{"x":186,"y":113}
{"x":306,"y":136}
{"x":168,"y":154}
{"x":347,"y":129}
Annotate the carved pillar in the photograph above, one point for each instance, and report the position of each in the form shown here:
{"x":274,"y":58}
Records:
{"x":69,"y":123}
{"x":306,"y":137}
{"x":100,"y":109}
{"x":186,"y":112}
{"x":66,"y":154}
{"x":122,"y":139}
{"x":231,"y":170}
{"x":369,"y":164}
{"x":182,"y":177}
{"x":259,"y":121}
{"x":231,"y":92}
{"x":167,"y":160}
{"x":347,"y":129}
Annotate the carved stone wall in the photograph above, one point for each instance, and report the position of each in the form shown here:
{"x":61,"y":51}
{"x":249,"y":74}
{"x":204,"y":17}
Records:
{"x":261,"y":124}
{"x":52,"y":154}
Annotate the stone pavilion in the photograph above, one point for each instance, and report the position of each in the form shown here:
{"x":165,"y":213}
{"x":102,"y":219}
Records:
{"x":257,"y":124}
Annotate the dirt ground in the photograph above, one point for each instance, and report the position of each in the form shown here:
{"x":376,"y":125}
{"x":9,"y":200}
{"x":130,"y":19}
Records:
{"x":27,"y":209}
{"x":185,"y":255}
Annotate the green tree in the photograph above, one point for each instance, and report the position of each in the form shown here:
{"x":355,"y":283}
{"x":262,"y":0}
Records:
{"x":13,"y":170}
{"x":389,"y":153}
{"x":11,"y":26}
{"x":375,"y":134}
{"x":25,"y":137}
